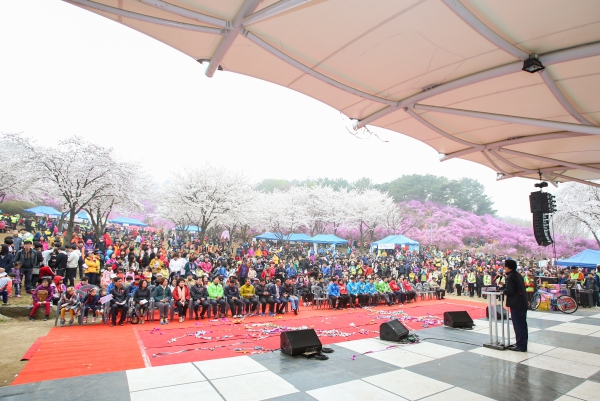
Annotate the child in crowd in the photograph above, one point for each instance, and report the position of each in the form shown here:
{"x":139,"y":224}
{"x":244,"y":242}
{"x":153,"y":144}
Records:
{"x":106,"y":280}
{"x":148,"y":274}
{"x":58,"y":289}
{"x":84,"y":281}
{"x":42,"y":295}
{"x":69,"y":302}
{"x":16,"y":281}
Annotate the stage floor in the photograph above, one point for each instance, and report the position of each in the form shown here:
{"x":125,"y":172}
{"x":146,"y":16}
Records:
{"x":562,"y":363}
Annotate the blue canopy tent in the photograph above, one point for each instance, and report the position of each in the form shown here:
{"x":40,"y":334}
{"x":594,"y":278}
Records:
{"x":190,"y":229}
{"x":43,"y":210}
{"x":328,"y":239}
{"x":269,"y":236}
{"x":298,"y":237}
{"x":128,"y":221}
{"x":588,"y":258}
{"x":391,"y":241}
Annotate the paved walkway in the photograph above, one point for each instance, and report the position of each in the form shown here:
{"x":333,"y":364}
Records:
{"x":563,"y":363}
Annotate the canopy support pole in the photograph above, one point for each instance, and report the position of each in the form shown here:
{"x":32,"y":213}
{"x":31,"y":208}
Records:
{"x":470,"y":19}
{"x":513,"y":165}
{"x":279,"y":54}
{"x":274,"y":9}
{"x":558,"y":125}
{"x":560,"y":97}
{"x":566,"y":177}
{"x":498,"y":169}
{"x":549,"y":160}
{"x":440,"y":131}
{"x":184,"y":12}
{"x":559,"y":56}
{"x":147,"y":18}
{"x":513,"y":141}
{"x":229,"y":38}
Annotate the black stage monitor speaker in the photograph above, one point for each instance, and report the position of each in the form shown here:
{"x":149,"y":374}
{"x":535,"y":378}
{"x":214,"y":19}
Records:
{"x":458,"y":319}
{"x":297,"y":342}
{"x":393,"y":330}
{"x":499,"y":311}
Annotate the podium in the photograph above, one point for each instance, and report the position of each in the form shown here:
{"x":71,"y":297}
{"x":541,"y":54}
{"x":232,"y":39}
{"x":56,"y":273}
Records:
{"x":496,"y":341}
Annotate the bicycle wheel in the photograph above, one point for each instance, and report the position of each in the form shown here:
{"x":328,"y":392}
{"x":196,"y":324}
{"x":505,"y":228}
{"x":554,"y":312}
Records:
{"x":535,"y":301}
{"x":566,"y":304}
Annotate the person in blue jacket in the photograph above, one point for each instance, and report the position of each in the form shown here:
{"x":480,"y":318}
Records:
{"x":333,"y":292}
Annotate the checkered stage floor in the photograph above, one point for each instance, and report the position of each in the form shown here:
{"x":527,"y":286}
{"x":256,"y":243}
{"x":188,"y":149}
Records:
{"x":563,"y":363}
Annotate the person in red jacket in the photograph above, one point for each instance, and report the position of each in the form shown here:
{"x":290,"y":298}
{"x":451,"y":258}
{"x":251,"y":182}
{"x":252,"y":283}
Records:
{"x":181,"y":297}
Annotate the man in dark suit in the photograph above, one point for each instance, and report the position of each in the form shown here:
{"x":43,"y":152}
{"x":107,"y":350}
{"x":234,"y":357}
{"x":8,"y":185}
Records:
{"x":516,"y":300}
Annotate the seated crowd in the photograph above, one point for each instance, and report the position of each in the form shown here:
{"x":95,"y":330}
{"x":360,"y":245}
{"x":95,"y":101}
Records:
{"x":129,"y":273}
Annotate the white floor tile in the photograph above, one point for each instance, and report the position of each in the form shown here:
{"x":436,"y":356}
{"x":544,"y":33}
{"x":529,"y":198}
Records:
{"x":575,"y":328}
{"x":356,"y":390}
{"x":559,"y":317}
{"x":191,"y":391}
{"x":400,"y":357}
{"x":407,"y":384}
{"x":597,"y":316}
{"x":253,"y":386}
{"x":569,"y":368}
{"x":567,"y":398}
{"x":457,"y":393}
{"x":506,"y":355}
{"x":586,"y":391}
{"x":227,"y":367}
{"x":538,"y":348}
{"x":432,"y":350}
{"x":575,"y":356}
{"x":365,"y":345}
{"x":536,"y":314}
{"x":161,"y":376}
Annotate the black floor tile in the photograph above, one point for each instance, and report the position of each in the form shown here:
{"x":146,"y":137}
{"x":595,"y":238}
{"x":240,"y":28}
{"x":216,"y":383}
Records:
{"x":301,"y":396}
{"x":309,"y":374}
{"x":595,"y":377}
{"x":541,"y":323}
{"x":463,"y":368}
{"x":592,"y":321}
{"x":23,"y":392}
{"x":111,"y":386}
{"x":566,"y":340}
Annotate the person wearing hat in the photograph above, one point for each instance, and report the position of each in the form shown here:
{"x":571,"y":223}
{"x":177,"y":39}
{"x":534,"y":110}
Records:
{"x":516,"y":300}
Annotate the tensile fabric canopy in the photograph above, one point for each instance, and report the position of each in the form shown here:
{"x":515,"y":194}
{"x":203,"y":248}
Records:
{"x":509,"y":84}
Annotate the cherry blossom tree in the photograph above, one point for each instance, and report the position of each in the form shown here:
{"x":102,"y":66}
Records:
{"x":75,"y":171}
{"x":17,"y":174}
{"x":578,"y":210}
{"x":284,"y":212}
{"x":369,"y":210}
{"x":201,"y":195}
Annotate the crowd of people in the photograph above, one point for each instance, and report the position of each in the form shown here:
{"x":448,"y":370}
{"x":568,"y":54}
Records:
{"x":136,"y":269}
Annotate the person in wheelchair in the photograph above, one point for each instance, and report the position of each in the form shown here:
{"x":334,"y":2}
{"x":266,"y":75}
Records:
{"x":141,"y":300}
{"x":91,"y":302}
{"x":69,"y":302}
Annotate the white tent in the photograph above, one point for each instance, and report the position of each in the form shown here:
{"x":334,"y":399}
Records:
{"x":446,"y":72}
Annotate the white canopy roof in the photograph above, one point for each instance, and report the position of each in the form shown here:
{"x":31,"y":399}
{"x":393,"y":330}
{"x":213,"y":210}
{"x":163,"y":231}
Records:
{"x":445,"y":72}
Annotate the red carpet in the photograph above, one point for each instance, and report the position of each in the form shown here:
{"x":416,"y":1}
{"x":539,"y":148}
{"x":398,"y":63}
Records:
{"x":82,"y":350}
{"x":32,"y":349}
{"x":242,"y":338}
{"x":91,"y":349}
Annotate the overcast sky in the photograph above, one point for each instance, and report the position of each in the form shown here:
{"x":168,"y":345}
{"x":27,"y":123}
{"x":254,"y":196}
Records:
{"x":66,"y":71}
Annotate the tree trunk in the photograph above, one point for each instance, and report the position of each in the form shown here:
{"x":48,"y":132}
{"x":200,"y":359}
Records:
{"x":70,"y":226}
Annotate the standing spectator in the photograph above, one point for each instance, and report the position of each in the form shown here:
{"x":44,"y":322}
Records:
{"x":28,"y":259}
{"x":6,"y":258}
